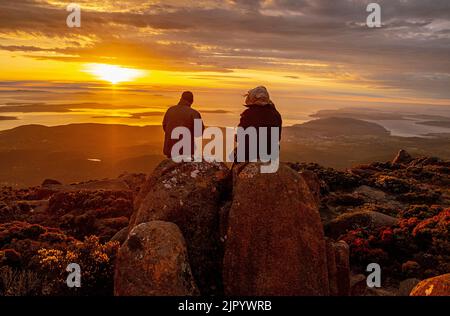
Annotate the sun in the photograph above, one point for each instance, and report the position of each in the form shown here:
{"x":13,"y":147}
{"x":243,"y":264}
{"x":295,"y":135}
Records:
{"x":113,"y":74}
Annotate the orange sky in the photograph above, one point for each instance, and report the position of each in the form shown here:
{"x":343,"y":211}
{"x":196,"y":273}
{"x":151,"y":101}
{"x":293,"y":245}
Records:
{"x":310,"y":54}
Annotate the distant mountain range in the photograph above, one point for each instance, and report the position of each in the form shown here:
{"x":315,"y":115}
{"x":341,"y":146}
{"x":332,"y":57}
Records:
{"x":445,"y":124}
{"x":77,"y":152}
{"x":340,"y":126}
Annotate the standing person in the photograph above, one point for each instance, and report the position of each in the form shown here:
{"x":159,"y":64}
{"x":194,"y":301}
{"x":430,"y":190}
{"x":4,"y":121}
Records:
{"x":260,"y":112}
{"x":180,"y":115}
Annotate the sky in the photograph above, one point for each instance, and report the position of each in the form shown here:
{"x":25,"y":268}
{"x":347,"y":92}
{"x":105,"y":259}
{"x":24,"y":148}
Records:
{"x":131,"y":59}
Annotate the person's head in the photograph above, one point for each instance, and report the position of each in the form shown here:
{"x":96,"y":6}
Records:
{"x":258,"y":96}
{"x":187,"y":98}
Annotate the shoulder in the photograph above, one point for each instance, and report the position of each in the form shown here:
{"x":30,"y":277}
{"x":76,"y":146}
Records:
{"x":246,"y":116}
{"x":172,"y":108}
{"x":194,"y":112}
{"x":275,"y":111}
{"x":247,"y":111}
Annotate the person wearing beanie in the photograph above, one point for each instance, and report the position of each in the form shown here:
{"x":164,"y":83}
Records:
{"x":180,"y":115}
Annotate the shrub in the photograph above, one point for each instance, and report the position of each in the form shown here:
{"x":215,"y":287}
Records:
{"x":393,"y":185}
{"x":97,"y":267}
{"x":420,"y":211}
{"x":424,"y":242}
{"x":15,"y":282}
{"x":334,"y":179}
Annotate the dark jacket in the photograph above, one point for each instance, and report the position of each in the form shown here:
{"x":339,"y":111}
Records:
{"x":260,"y":116}
{"x":181,"y":115}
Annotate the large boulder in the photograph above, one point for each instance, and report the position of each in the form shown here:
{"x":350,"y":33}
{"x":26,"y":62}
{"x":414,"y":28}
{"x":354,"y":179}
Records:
{"x":189,"y":195}
{"x":163,"y":167}
{"x":438,"y":286}
{"x":275,"y":242}
{"x":153,"y":261}
{"x":314,"y":184}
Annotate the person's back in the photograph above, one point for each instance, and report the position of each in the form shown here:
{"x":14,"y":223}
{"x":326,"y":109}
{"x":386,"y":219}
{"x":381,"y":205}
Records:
{"x":181,"y":115}
{"x":260,"y":112}
{"x":261,"y":116}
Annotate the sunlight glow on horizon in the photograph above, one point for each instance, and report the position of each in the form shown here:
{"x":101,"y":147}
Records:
{"x":113,"y":74}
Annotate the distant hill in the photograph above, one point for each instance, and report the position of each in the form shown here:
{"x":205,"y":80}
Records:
{"x":86,"y":136}
{"x":445,"y":124}
{"x":343,"y":142}
{"x":360,"y":114}
{"x":342,"y":126}
{"x":76,"y":152}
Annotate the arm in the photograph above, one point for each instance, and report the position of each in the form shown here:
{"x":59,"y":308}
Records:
{"x":242,"y":123}
{"x":281,"y":125}
{"x":203,"y":125}
{"x":164,"y":124}
{"x":198,"y":116}
{"x":244,"y":120}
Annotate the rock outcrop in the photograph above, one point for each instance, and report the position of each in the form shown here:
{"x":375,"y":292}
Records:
{"x":362,"y":219}
{"x":358,"y":284}
{"x":406,"y":286}
{"x":183,"y":215}
{"x":438,"y":286}
{"x":50,"y":182}
{"x":402,"y":157}
{"x":153,"y":261}
{"x":275,"y":242}
{"x":338,"y":264}
{"x":120,"y":236}
{"x":189,"y":195}
{"x":314,"y":184}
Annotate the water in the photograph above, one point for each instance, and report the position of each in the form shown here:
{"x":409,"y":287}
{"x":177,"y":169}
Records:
{"x":405,"y":128}
{"x":118,"y":106}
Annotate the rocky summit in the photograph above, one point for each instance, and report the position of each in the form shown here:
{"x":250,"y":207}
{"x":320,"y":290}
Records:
{"x":189,"y":195}
{"x":207,"y":229}
{"x":275,"y":243}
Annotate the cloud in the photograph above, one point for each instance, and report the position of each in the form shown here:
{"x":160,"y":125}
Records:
{"x":215,"y":111}
{"x":24,"y":48}
{"x":141,"y":115}
{"x":18,"y":107}
{"x":114,"y":117}
{"x":146,"y":114}
{"x":225,"y":36}
{"x":8,"y":118}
